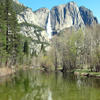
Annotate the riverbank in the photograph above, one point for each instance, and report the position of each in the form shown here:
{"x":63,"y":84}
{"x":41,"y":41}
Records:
{"x":86,"y":72}
{"x":6,"y":71}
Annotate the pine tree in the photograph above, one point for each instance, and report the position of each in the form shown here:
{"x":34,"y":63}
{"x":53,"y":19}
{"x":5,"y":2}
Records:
{"x":26,"y":48}
{"x":2,"y":34}
{"x":12,"y":44}
{"x":12,"y":32}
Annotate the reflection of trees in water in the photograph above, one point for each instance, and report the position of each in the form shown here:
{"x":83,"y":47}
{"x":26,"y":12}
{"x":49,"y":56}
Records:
{"x":88,"y":82}
{"x":88,"y":88}
{"x":30,"y":85}
{"x":49,"y":94}
{"x":38,"y":93}
{"x":58,"y":86}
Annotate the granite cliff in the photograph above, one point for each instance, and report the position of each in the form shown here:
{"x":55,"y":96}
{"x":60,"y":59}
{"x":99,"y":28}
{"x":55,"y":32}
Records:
{"x":58,"y":18}
{"x":61,"y":17}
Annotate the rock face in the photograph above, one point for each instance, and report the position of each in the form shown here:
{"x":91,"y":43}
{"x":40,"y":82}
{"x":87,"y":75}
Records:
{"x":87,"y":16}
{"x":61,"y":17}
{"x":27,"y":16}
{"x":65,"y":16}
{"x":38,"y":17}
{"x":32,"y":26}
{"x":42,"y":16}
{"x":38,"y":38}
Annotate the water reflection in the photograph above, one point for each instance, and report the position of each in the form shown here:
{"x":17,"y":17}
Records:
{"x":32,"y":85}
{"x":49,"y":94}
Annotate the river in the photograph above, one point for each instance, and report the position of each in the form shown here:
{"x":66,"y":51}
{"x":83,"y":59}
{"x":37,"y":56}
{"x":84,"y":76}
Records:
{"x":36,"y":85}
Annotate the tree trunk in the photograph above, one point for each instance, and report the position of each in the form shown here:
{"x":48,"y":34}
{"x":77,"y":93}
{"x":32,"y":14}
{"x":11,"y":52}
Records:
{"x":56,"y":64}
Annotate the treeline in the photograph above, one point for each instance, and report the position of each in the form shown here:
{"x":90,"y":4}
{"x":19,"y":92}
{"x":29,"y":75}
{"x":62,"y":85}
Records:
{"x":14,"y":47}
{"x":74,"y":50}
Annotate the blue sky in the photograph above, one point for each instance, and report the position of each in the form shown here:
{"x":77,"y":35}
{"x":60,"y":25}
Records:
{"x":94,"y":5}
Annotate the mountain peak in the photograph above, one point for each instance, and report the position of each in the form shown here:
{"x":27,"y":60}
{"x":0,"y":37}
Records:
{"x":87,"y":16}
{"x":72,"y":3}
{"x":41,"y":10}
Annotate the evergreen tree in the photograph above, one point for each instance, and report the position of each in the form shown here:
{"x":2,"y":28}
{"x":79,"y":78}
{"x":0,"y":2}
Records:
{"x":2,"y":34}
{"x":26,"y":48}
{"x":12,"y":32}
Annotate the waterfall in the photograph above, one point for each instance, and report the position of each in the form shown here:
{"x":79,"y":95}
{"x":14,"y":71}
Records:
{"x":49,"y":28}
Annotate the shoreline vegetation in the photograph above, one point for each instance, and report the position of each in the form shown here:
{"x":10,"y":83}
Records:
{"x":69,"y":50}
{"x":4,"y":71}
{"x":87,"y":73}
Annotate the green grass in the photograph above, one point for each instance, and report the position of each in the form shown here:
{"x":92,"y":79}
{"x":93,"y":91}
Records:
{"x":82,"y":70}
{"x":95,"y":74}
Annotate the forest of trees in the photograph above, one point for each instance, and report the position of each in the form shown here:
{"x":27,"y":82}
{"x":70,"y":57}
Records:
{"x":13,"y":46}
{"x":72,"y":50}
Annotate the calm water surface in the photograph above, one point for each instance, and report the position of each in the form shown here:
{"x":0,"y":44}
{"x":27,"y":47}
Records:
{"x":33,"y":85}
